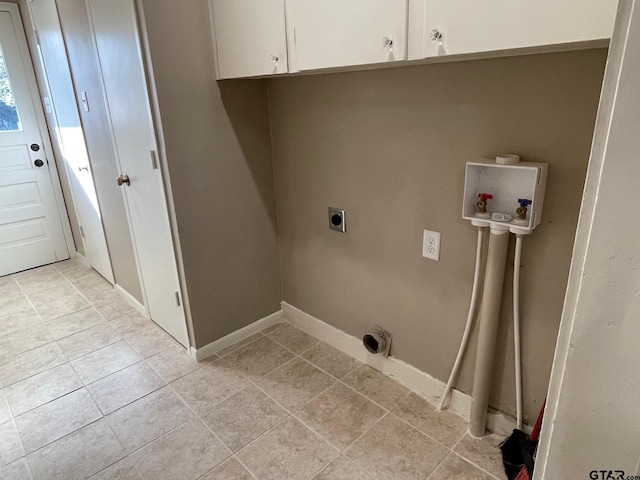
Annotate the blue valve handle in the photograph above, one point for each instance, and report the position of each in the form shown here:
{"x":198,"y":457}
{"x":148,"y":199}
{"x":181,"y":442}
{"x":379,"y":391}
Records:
{"x":524,"y":202}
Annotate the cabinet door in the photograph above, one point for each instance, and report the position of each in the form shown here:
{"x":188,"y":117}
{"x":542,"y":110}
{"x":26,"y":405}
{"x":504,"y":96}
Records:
{"x":336,"y":33}
{"x":470,"y":26}
{"x":250,"y":37}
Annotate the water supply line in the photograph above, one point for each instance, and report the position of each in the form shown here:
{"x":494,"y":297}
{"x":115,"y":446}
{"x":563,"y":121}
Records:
{"x":467,"y":328}
{"x":516,"y":329}
{"x":489,"y":320}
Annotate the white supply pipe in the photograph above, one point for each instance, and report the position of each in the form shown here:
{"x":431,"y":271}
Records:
{"x":467,"y":328}
{"x":516,"y":329}
{"x":489,"y":319}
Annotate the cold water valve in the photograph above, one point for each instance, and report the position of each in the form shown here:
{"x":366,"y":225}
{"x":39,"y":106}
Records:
{"x":521,"y":211}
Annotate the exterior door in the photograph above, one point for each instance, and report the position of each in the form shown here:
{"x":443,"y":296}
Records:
{"x":65,"y":125}
{"x":31,"y":232}
{"x":118,"y":44}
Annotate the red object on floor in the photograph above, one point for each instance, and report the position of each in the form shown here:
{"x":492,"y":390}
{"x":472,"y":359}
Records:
{"x":536,"y":428}
{"x":523,"y":475}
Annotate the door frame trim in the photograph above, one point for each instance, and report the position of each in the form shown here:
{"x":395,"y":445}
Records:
{"x":26,"y":37}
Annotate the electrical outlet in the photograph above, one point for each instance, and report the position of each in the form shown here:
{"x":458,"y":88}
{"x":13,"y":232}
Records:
{"x":431,"y":245}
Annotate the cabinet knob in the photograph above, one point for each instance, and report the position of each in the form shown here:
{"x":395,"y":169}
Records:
{"x":387,"y":42}
{"x":436,"y":35}
{"x":274,"y":59}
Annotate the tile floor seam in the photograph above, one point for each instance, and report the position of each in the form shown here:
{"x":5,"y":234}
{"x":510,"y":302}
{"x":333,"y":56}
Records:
{"x":235,"y":349}
{"x":474,"y":464}
{"x":174,"y":379}
{"x":359,"y":437}
{"x":364,"y":395}
{"x":357,"y":466}
{"x":321,"y":369}
{"x":24,"y":454}
{"x":243,"y":466}
{"x":240,"y":450}
{"x":102,"y":348}
{"x":112,"y":286}
{"x":48,"y":401}
{"x":440,"y":462}
{"x":62,"y":437}
{"x":420,"y":431}
{"x":195,"y":415}
{"x":212,"y":406}
{"x":31,"y":349}
{"x":284,"y":346}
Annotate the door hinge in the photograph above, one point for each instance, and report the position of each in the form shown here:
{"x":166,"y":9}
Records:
{"x":37,"y":34}
{"x":154,"y":159}
{"x":81,"y":231}
{"x":177,"y":299}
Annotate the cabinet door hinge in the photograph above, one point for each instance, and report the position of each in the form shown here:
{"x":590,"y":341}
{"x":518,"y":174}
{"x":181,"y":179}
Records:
{"x":81,"y":231}
{"x":177,"y":299}
{"x":154,"y":159}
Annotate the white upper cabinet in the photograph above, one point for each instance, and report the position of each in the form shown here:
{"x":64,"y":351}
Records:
{"x":250,"y":37}
{"x":451,"y":27}
{"x":266,"y":37}
{"x":338,"y":33}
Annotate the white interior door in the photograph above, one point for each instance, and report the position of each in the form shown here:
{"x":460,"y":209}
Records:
{"x":31,"y":232}
{"x":118,"y":43}
{"x":65,"y":124}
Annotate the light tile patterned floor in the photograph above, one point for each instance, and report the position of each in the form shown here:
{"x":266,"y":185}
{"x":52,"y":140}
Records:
{"x":91,"y":389}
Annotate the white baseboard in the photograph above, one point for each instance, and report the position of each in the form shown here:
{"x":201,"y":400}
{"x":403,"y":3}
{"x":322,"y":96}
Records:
{"x":130,"y":299}
{"x":234,"y":337}
{"x":80,"y":258}
{"x":416,"y":380}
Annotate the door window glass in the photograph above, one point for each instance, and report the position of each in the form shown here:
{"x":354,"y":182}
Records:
{"x":9,"y":119}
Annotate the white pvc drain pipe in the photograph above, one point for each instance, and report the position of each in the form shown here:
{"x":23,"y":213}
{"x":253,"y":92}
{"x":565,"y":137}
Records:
{"x":489,"y":319}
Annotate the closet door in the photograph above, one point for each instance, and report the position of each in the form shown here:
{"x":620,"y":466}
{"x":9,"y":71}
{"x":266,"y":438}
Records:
{"x":337,"y":33}
{"x":65,"y":124}
{"x":119,"y":50}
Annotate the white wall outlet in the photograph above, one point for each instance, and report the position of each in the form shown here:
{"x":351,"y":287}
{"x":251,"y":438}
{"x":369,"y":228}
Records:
{"x":431,"y":245}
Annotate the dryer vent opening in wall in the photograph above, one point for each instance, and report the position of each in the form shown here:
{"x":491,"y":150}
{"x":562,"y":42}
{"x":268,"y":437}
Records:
{"x":377,"y":340}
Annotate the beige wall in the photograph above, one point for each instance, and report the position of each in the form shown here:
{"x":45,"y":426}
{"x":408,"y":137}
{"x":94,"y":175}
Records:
{"x":390,"y":147}
{"x":219,"y":158}
{"x":86,"y":77}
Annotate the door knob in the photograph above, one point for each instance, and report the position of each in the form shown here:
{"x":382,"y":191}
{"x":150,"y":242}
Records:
{"x":38,"y":163}
{"x":123,"y":179}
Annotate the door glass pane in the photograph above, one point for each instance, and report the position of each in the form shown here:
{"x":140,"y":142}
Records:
{"x":9,"y":119}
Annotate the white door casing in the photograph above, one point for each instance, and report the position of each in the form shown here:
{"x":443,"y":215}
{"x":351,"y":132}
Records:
{"x":32,"y":228}
{"x":117,"y":38}
{"x":65,"y":124}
